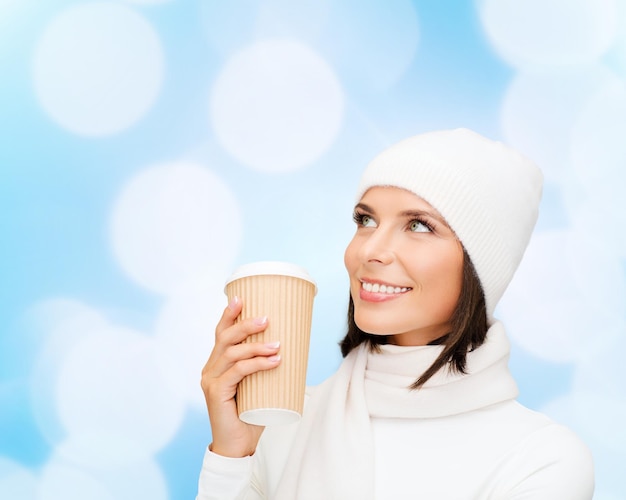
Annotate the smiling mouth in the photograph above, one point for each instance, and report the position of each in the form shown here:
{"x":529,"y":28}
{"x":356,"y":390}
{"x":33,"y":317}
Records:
{"x":383,"y":289}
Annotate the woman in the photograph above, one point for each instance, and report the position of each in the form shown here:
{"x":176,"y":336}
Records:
{"x":423,"y":405}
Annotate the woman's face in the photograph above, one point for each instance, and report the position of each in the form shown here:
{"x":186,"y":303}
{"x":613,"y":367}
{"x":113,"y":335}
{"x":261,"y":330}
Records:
{"x":405,"y":266}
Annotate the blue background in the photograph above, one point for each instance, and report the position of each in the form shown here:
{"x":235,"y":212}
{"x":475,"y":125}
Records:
{"x":134,"y":133}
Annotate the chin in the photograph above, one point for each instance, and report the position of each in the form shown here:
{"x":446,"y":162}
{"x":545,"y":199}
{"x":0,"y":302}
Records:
{"x":371,"y":327}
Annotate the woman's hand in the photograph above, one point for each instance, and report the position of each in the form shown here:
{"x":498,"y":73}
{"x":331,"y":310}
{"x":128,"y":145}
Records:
{"x":230,"y":361}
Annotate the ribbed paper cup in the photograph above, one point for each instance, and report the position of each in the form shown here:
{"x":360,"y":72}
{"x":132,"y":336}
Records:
{"x":284,"y":293}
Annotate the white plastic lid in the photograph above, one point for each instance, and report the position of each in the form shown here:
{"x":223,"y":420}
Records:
{"x":275,"y":268}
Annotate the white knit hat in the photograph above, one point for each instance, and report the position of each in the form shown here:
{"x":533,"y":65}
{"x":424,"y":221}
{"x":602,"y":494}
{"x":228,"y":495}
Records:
{"x":488,"y":193}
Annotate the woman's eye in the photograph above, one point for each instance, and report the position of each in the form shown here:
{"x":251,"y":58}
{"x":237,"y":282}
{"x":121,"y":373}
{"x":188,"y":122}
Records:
{"x":418,"y":227}
{"x":367,"y":221}
{"x":363,"y":220}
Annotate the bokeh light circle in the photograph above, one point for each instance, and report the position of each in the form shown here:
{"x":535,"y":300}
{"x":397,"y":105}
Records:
{"x":594,"y":416}
{"x":602,"y":372}
{"x":63,"y":482}
{"x":598,"y":147}
{"x":558,"y":32}
{"x":98,"y":68}
{"x":305,"y":20}
{"x":230,"y":26}
{"x":552,"y":313}
{"x":125,"y":470}
{"x":173,"y":222}
{"x":185,"y":334}
{"x":540,"y":108}
{"x":62,"y":479}
{"x":597,"y":419}
{"x":603,"y":209}
{"x":598,"y":152}
{"x":100,"y":449}
{"x":374,"y":48}
{"x":64,"y":323}
{"x":277,"y":106}
{"x":111,"y":383}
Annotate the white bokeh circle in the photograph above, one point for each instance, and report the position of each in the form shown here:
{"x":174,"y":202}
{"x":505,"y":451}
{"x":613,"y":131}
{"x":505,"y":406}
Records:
{"x":100,"y":450}
{"x":173,"y":222}
{"x":277,"y":106}
{"x":230,"y":26}
{"x":63,"y":482}
{"x":556,"y":32}
{"x":598,"y":147}
{"x":64,"y":322}
{"x":98,"y":68}
{"x":304,"y":20}
{"x":598,"y":153}
{"x":602,"y":372}
{"x":185,"y":335}
{"x":126,"y":471}
{"x":111,"y":383}
{"x":540,"y":108}
{"x":595,"y":417}
{"x":373,"y":43}
{"x":604,"y":210}
{"x":603,"y":288}
{"x":550,"y":308}
{"x":62,"y":479}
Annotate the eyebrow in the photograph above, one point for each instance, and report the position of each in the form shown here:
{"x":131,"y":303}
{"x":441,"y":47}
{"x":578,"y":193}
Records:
{"x":408,"y":213}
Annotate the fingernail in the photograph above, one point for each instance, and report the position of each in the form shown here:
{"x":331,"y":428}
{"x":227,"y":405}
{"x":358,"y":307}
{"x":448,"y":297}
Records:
{"x":274,"y":359}
{"x":273,"y":345}
{"x":260,"y":321}
{"x":233,"y":302}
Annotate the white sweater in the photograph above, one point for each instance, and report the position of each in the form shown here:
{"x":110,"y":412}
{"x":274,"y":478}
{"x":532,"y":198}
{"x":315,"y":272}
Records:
{"x":452,"y":448}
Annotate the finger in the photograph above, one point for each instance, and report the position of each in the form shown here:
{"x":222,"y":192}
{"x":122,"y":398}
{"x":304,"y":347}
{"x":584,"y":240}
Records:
{"x":240,"y":352}
{"x":232,"y":310}
{"x":239,"y":332}
{"x":222,"y":388}
{"x":245,"y":367}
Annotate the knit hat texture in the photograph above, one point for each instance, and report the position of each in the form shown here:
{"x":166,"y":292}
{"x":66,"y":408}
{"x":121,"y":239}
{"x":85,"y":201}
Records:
{"x":488,"y":193}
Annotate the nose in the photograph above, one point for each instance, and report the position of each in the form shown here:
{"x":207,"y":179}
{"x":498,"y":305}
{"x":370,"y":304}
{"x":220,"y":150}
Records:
{"x":377,"y":247}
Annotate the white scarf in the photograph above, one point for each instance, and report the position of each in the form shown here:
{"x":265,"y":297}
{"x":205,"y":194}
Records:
{"x":332,"y":456}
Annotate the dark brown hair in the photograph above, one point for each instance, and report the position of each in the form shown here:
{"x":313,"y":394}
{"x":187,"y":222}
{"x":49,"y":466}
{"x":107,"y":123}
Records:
{"x":468,"y":323}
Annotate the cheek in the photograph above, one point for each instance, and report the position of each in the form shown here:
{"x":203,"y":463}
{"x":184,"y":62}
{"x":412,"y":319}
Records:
{"x":452,"y":271}
{"x":444,"y":274}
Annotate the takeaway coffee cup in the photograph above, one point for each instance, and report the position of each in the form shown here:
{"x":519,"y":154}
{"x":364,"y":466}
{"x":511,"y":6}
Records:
{"x":284,"y":293}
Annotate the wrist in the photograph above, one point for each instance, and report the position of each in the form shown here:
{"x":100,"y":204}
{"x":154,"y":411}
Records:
{"x":230,"y":451}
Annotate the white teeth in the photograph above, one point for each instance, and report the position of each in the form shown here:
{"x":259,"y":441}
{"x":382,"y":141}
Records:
{"x":387,"y":289}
